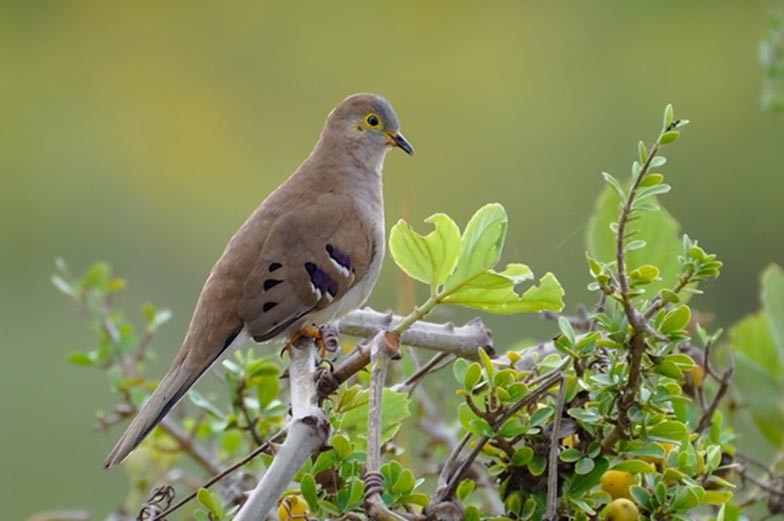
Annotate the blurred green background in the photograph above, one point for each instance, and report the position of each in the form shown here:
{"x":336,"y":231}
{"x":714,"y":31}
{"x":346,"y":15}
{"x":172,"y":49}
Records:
{"x":143,"y":135}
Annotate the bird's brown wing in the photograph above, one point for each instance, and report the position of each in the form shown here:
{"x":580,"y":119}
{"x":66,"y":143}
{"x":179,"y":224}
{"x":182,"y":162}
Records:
{"x":312,"y":257}
{"x":277,"y":270}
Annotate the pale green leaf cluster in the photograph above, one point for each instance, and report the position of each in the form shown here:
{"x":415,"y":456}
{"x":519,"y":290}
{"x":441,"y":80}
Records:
{"x":459,"y":268}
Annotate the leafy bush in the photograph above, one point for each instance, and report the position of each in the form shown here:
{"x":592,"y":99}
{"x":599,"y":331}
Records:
{"x":625,"y":414}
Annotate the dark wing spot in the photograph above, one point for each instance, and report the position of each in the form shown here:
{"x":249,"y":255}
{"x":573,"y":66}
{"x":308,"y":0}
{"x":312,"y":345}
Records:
{"x":275,"y":266}
{"x":268,"y":305}
{"x":339,"y":256}
{"x":271,"y":283}
{"x":321,"y":279}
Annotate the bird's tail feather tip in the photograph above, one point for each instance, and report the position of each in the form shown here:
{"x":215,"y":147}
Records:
{"x":118,"y":454}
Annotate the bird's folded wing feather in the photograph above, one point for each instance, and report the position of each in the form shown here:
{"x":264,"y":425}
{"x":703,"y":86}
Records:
{"x":312,"y":257}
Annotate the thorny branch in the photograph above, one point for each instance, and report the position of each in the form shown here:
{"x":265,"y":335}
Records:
{"x":308,"y":431}
{"x":462,"y":341}
{"x":384,"y":346}
{"x":452,"y":475}
{"x":552,"y":462}
{"x":421,"y":334}
{"x":637,"y":321}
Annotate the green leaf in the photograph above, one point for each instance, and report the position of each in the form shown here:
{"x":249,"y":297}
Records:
{"x":97,"y":276}
{"x":210,"y":502}
{"x":472,"y":377}
{"x":635,"y":466}
{"x":566,"y":328}
{"x":495,"y":292}
{"x":522,"y":456}
{"x":658,"y":229}
{"x":642,"y":152}
{"x":395,"y":407}
{"x":341,"y":445}
{"x":651,"y":191}
{"x":584,"y":466}
{"x":482,"y":243}
{"x":414,"y":499}
{"x":676,"y":320}
{"x":541,"y":415}
{"x":669,"y":116}
{"x":582,"y":483}
{"x":759,"y":385}
{"x":717,"y":497}
{"x":651,"y":179}
{"x":722,"y":512}
{"x":308,"y":488}
{"x":753,"y":337}
{"x":464,"y":488}
{"x":204,"y":404}
{"x":686,"y":498}
{"x":471,"y":514}
{"x":641,"y":496}
{"x":773,"y":303}
{"x":267,"y":391}
{"x":64,"y":286}
{"x":615,"y":185}
{"x":430,"y":258}
{"x":83,"y":359}
{"x":570,"y":455}
{"x":459,"y":369}
{"x":405,"y":483}
{"x":537,"y":465}
{"x":669,"y":137}
{"x":669,"y":431}
{"x":634,"y":245}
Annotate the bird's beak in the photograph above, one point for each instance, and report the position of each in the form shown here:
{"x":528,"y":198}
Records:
{"x":397,"y":139}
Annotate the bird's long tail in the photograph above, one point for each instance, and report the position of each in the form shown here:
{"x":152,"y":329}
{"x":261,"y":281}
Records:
{"x":172,"y":388}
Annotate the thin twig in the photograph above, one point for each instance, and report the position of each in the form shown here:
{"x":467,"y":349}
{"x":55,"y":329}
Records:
{"x":552,"y":464}
{"x":222,"y":474}
{"x":430,"y":367}
{"x":638,"y":322}
{"x":251,"y":422}
{"x":724,"y":384}
{"x":620,"y":243}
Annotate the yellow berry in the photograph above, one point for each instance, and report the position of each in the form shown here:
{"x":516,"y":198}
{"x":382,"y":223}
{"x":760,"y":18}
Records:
{"x":622,"y":510}
{"x":292,"y":508}
{"x":617,"y":483}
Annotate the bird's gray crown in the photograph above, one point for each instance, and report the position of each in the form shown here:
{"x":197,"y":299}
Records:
{"x":358,"y":106}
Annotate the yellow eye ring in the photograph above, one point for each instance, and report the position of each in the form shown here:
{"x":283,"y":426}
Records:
{"x":373,"y":120}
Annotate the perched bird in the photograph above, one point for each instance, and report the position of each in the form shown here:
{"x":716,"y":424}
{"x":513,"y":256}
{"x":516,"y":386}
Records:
{"x":310,"y":253}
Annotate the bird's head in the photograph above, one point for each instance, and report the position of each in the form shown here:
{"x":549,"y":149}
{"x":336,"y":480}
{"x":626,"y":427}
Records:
{"x":368,"y":124}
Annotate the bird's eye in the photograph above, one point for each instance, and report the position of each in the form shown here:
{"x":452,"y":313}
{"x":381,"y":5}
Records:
{"x":372,"y":120}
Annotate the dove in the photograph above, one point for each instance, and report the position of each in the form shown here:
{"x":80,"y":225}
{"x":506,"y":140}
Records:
{"x":310,"y":253}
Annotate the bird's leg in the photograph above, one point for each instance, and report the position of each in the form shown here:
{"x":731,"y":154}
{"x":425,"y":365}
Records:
{"x":312,"y":332}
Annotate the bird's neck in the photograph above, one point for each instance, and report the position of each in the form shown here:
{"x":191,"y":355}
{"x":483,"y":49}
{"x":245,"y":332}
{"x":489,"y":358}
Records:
{"x":343,"y":167}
